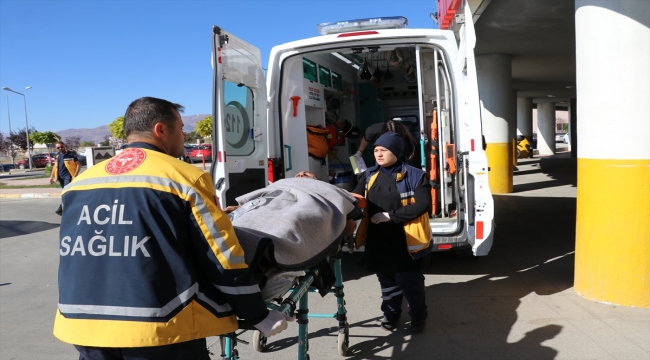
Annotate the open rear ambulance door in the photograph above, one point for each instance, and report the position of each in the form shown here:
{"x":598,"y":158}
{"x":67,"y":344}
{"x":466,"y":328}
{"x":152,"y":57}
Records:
{"x":239,"y":116}
{"x":479,"y":204}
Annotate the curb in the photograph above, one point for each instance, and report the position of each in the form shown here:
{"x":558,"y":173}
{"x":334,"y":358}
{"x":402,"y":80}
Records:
{"x":30,"y":196}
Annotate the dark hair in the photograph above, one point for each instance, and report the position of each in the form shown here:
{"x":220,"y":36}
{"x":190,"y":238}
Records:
{"x":60,"y":142}
{"x":143,"y":113}
{"x":403,"y":132}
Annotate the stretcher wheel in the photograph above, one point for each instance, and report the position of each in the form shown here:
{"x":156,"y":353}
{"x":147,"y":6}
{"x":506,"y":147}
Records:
{"x":344,"y":340}
{"x":259,"y":341}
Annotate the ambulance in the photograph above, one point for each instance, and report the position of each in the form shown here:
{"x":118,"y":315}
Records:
{"x":356,"y":74}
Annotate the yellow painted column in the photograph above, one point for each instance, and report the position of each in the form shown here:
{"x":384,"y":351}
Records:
{"x":494,"y":74}
{"x":613,"y":197}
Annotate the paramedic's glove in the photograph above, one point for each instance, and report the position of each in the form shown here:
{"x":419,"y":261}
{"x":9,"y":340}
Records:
{"x":274,"y":323}
{"x":358,"y":154}
{"x":380,"y":217}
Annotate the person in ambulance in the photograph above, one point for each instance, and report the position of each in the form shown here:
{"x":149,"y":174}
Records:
{"x":149,"y":264}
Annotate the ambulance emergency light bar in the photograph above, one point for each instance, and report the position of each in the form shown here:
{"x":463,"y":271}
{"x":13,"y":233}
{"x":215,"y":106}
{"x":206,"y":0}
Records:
{"x":390,"y":22}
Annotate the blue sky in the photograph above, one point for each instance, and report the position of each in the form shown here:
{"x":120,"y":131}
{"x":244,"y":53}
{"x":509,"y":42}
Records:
{"x":86,"y":60}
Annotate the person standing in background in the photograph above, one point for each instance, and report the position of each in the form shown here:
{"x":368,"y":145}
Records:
{"x":65,"y":168}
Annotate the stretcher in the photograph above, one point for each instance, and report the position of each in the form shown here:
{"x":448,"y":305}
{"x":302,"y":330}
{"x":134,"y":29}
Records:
{"x":313,"y":258}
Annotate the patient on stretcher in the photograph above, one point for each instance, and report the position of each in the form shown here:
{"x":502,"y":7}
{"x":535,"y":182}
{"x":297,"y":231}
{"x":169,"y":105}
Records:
{"x":290,"y":226}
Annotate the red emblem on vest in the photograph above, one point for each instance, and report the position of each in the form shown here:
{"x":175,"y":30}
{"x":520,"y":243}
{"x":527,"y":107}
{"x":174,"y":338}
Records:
{"x":126,"y":161}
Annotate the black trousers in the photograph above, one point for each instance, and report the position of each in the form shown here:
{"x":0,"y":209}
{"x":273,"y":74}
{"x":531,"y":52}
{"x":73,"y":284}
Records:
{"x":397,"y":286}
{"x":64,"y":181}
{"x":188,"y":350}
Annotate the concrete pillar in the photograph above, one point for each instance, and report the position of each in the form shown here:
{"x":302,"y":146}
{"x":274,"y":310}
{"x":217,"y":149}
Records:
{"x":495,"y":89}
{"x":546,"y":128}
{"x":613,"y":197}
{"x":525,"y":117}
{"x":573,"y":128}
{"x":525,"y":124}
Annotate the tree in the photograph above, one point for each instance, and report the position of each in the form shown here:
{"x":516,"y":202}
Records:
{"x":72,"y":142}
{"x":7,"y":147}
{"x":4,"y":143}
{"x":192,"y":135}
{"x":87,"y":143}
{"x":116,"y":128}
{"x":105,"y":142}
{"x":45,"y":137}
{"x":20,"y":138}
{"x":204,"y":127}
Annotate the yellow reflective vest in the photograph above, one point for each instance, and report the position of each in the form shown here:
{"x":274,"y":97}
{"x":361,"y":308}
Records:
{"x":417,"y":231}
{"x":69,"y":163}
{"x":147,"y":258}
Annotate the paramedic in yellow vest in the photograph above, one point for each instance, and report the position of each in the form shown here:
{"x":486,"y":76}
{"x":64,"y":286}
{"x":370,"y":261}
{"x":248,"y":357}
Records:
{"x":149,"y":266}
{"x":66,"y":168}
{"x":395,"y":231}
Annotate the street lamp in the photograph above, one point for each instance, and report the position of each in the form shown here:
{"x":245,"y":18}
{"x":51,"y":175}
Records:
{"x":29,"y":151}
{"x":11,"y":144}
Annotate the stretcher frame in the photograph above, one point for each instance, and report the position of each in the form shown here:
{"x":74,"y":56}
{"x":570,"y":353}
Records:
{"x":298,"y":295}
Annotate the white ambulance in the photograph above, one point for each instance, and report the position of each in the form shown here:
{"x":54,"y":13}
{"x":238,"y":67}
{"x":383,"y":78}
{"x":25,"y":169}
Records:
{"x":358,"y":73}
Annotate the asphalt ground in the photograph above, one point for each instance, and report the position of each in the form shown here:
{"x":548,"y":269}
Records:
{"x":516,"y":303}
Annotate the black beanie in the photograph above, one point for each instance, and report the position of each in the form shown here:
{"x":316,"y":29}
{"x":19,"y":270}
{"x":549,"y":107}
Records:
{"x":392,"y":142}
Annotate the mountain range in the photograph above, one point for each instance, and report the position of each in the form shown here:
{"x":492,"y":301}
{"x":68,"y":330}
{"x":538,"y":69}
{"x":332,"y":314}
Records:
{"x":98,"y":134}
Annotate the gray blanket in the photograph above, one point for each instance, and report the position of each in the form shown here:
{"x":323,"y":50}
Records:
{"x":303,"y":218}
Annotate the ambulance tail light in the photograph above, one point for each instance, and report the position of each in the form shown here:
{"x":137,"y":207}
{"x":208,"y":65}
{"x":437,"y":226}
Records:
{"x":479,"y":230}
{"x":444,"y":246}
{"x":358,"y":33}
{"x":389,"y":22}
{"x":270,"y":171}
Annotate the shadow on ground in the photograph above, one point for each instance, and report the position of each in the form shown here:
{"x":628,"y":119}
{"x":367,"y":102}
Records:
{"x":9,"y":228}
{"x":562,"y":168}
{"x":533,"y":253}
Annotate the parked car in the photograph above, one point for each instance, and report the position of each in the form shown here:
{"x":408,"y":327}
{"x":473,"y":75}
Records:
{"x":201,"y":152}
{"x":6,"y":167}
{"x":38,"y":160}
{"x":566,"y":138}
{"x":187,"y":154}
{"x":81,"y":157}
{"x":559,"y":137}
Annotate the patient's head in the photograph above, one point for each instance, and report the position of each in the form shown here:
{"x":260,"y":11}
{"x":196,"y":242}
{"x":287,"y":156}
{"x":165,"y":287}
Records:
{"x":306,"y":174}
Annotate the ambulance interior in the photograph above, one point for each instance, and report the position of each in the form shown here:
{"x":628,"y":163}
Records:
{"x":352,"y":88}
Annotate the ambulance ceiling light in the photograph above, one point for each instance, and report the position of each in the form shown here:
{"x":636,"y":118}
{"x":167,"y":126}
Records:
{"x":346,"y":60}
{"x":389,"y":22}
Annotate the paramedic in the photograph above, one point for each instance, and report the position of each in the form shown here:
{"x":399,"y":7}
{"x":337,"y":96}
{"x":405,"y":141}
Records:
{"x":65,"y":169}
{"x":149,"y":265}
{"x":396,"y":231}
{"x":375,"y":130}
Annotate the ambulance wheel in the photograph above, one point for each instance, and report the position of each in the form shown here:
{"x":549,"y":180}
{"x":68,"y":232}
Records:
{"x":344,"y":340}
{"x":259,"y":341}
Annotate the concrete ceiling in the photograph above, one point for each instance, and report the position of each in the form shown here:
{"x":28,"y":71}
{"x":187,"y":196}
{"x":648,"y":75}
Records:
{"x":539,"y":36}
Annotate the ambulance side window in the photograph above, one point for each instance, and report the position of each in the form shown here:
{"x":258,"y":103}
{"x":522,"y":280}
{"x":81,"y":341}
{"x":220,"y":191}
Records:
{"x":238,"y":119}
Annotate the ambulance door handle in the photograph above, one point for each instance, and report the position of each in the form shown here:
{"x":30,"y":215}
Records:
{"x":288,"y":158}
{"x":220,"y":183}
